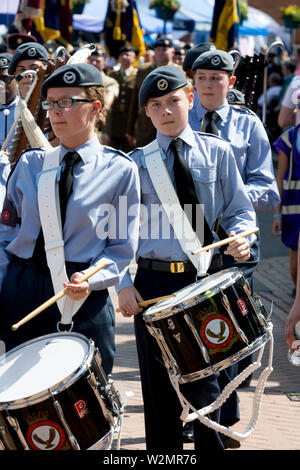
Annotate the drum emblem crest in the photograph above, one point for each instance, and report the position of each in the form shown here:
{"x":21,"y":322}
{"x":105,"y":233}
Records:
{"x":45,"y":435}
{"x":216,"y":331}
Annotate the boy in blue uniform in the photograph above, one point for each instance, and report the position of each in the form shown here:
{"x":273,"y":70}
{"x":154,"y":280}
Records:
{"x":167,"y":100}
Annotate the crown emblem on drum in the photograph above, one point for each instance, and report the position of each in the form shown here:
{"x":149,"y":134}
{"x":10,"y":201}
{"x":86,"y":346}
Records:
{"x":162,"y":84}
{"x":69,"y":77}
{"x":32,"y":52}
{"x":32,"y":418}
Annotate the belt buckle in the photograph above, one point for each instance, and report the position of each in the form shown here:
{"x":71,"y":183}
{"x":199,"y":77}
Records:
{"x":177,"y":267}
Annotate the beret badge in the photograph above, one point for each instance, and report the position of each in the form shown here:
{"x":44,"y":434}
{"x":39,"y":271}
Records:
{"x":216,"y":60}
{"x":32,"y":52}
{"x":69,"y":77}
{"x":162,"y":84}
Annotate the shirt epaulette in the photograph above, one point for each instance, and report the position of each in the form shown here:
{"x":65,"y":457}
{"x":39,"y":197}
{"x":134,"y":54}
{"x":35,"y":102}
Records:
{"x":246,"y":110}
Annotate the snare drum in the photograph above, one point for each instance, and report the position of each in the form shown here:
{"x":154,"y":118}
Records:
{"x":54,"y":396}
{"x":208,"y":325}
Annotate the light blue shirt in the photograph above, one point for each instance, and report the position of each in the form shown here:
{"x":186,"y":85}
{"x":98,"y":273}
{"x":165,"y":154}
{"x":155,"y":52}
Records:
{"x":219,"y":186}
{"x":105,"y":184}
{"x":250,"y":144}
{"x":6,"y":122}
{"x":4,"y":172}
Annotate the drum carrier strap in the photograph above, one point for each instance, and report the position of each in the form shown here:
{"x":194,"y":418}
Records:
{"x":153,"y":161}
{"x":49,"y":210}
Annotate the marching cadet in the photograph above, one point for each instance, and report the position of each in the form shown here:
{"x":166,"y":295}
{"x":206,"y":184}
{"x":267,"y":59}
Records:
{"x":203,"y":169}
{"x":117,"y":117}
{"x":99,"y":180}
{"x":28,"y":56}
{"x":140,"y":130}
{"x":240,"y":127}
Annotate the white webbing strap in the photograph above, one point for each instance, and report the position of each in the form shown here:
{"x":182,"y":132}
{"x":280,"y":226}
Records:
{"x":226,"y":392}
{"x":177,"y":217}
{"x":49,"y":210}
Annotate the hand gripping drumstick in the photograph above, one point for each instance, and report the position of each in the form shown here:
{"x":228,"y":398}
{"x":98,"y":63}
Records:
{"x":225,"y":241}
{"x":56,"y":297}
{"x":145,"y":303}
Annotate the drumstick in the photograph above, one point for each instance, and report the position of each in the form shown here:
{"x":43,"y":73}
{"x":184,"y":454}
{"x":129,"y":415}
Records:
{"x":56,"y":297}
{"x":225,"y":241}
{"x":145,"y":303}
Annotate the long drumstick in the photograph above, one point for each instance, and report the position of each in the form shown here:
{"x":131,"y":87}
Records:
{"x":225,"y":241}
{"x":145,"y":303}
{"x":56,"y":297}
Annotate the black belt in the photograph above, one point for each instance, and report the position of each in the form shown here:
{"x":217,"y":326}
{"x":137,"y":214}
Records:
{"x":176,"y":267}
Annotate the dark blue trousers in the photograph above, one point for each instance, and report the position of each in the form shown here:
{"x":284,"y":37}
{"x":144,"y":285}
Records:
{"x":162,"y":408}
{"x":26,"y":286}
{"x":230,"y":410}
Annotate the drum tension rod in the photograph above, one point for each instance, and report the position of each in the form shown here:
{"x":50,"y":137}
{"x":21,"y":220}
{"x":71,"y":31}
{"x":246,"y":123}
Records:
{"x":226,"y":304}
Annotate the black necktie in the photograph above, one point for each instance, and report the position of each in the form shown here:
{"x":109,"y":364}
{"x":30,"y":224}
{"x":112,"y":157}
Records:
{"x":65,"y":189}
{"x":212,"y":118}
{"x":186,"y":190}
{"x":66,"y":182}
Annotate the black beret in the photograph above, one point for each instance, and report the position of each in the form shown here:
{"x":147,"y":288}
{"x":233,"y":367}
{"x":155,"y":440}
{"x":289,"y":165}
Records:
{"x":193,"y":54}
{"x":179,"y":50}
{"x":30,"y":50}
{"x":214,"y":60}
{"x":161,"y":81}
{"x":5,"y":60}
{"x":15,"y":40}
{"x":73,"y":75}
{"x":99,"y":51}
{"x":126,"y":48}
{"x":163,"y":41}
{"x":235,"y":96}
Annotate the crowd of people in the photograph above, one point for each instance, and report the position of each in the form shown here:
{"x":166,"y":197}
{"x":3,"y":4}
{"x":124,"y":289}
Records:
{"x":107,"y":119}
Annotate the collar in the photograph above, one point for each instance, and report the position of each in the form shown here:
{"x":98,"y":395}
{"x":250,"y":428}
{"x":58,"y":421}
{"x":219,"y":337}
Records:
{"x":10,"y":105}
{"x":222,"y":111}
{"x":85,"y":150}
{"x":187,"y":135}
{"x":127,"y":72}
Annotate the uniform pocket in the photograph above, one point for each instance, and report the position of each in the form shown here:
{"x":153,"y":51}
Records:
{"x":205,"y":174}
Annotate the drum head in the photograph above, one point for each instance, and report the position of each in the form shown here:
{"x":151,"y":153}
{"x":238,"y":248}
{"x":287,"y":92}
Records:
{"x":40,"y":365}
{"x":196,"y":291}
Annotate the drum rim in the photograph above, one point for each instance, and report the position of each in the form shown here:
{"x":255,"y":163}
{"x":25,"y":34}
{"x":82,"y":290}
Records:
{"x":59,"y":386}
{"x":170,"y":311}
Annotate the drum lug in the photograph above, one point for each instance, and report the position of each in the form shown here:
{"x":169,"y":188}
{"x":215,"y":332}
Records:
{"x":262,"y":315}
{"x":226,"y":304}
{"x":169,"y":360}
{"x":16,"y":427}
{"x":198,"y":338}
{"x":108,"y":387}
{"x":70,"y":435}
{"x":96,"y":386}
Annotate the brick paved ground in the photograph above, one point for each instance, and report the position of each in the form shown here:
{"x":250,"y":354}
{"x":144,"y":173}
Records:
{"x":278,"y":427}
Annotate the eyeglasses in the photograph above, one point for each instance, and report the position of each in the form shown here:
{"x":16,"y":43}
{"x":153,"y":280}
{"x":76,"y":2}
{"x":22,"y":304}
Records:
{"x":7,"y":78}
{"x":62,"y":103}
